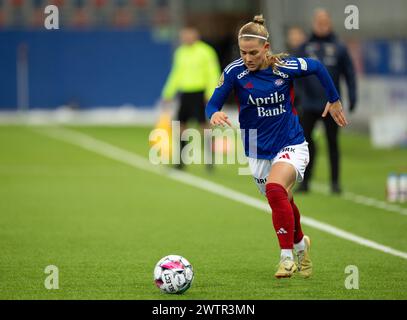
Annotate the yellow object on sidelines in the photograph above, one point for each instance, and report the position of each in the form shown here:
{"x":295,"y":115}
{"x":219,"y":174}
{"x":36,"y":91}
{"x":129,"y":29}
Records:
{"x":163,"y":123}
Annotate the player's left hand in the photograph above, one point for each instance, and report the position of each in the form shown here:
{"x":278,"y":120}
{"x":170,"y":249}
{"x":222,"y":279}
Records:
{"x":336,"y":111}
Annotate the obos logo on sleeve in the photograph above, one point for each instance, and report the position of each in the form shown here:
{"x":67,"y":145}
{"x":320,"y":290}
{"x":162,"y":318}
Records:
{"x":303,"y":64}
{"x":221,"y":80}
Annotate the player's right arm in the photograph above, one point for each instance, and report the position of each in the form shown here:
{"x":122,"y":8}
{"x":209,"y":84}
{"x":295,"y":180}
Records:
{"x":218,"y":99}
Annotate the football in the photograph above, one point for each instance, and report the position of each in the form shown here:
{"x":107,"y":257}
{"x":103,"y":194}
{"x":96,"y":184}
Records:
{"x":173,"y":274}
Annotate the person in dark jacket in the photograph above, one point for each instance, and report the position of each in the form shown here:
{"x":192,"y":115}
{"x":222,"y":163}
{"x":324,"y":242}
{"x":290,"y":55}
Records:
{"x":324,"y":46}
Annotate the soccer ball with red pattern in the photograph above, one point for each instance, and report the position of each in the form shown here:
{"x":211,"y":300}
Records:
{"x":173,"y":274}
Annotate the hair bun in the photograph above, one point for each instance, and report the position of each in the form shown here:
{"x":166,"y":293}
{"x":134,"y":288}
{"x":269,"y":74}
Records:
{"x":259,"y":19}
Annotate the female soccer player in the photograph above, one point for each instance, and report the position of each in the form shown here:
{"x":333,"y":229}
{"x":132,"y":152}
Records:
{"x":262,"y":83}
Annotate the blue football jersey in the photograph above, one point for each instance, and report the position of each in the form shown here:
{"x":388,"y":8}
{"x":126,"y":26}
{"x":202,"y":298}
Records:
{"x":265,"y":102}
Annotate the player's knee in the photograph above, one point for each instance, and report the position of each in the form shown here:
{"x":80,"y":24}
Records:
{"x":275,"y":192}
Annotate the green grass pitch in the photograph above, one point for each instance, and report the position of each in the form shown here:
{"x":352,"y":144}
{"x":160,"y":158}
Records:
{"x":105,"y":224}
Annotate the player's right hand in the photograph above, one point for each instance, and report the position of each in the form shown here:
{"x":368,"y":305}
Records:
{"x":220,"y":119}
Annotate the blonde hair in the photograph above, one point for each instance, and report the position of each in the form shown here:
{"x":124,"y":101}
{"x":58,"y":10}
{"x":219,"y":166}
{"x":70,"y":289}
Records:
{"x":257,"y":29}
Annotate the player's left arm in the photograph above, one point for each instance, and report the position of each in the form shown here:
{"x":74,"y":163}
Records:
{"x":308,"y":66}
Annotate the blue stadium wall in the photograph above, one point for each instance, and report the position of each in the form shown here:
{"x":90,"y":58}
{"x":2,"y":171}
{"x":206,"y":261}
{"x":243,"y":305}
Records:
{"x":88,"y":68}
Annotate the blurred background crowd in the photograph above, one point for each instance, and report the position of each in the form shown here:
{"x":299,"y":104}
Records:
{"x":110,"y":53}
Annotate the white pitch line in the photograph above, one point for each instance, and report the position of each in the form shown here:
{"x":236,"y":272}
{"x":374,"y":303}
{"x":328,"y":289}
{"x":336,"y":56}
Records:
{"x":109,"y":151}
{"x":360,"y":199}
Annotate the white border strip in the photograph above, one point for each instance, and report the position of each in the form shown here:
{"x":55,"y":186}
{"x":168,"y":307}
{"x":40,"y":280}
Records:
{"x":105,"y":149}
